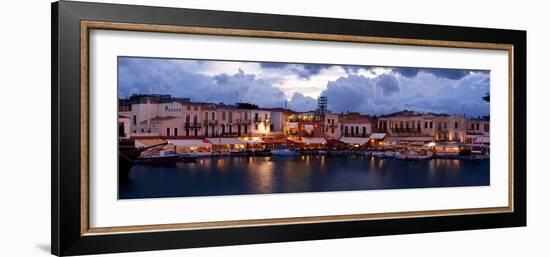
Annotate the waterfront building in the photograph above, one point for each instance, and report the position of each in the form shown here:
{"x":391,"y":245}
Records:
{"x":332,"y":126}
{"x":305,"y":125}
{"x":408,"y":125}
{"x":477,"y":131}
{"x":279,"y":117}
{"x":261,"y":122}
{"x":355,"y":125}
{"x":141,"y":109}
{"x":210,"y":120}
{"x":192,"y":119}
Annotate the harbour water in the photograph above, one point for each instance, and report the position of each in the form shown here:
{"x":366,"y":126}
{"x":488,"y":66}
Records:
{"x":276,"y":174}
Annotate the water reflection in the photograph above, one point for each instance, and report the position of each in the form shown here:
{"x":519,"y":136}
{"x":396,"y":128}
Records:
{"x":259,"y":175}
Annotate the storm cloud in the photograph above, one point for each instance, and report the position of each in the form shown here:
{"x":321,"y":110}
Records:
{"x":366,"y":89}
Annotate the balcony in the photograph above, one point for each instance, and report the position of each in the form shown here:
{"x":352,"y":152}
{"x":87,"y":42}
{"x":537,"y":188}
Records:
{"x":192,"y":125}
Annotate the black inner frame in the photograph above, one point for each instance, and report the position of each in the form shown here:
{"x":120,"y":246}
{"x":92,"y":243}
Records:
{"x":65,"y":166}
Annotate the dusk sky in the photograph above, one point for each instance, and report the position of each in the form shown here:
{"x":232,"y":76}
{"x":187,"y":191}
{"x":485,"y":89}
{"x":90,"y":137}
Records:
{"x":365,"y":89}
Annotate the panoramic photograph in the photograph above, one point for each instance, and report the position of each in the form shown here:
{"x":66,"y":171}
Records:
{"x":190,"y":127}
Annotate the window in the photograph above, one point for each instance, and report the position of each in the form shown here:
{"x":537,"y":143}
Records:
{"x":223,"y":129}
{"x":445,"y":125}
{"x":477,"y":126}
{"x":431,"y":124}
{"x":230,"y":116}
{"x":364,"y":131}
{"x":196,"y":132}
{"x":134,"y":119}
{"x":213,"y":115}
{"x":271,"y":127}
{"x":486,"y":127}
{"x":195,"y":108}
{"x":255,"y":116}
{"x":189,"y":107}
{"x":205,"y":115}
{"x":265,"y":116}
{"x":195,"y":118}
{"x":176,"y":132}
{"x":245,"y":129}
{"x":166,"y":108}
{"x":167,"y":131}
{"x":186,"y":132}
{"x":256,"y":126}
{"x":456,"y":124}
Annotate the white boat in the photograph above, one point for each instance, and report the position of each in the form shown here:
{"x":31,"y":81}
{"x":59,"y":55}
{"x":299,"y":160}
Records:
{"x":283,"y":152}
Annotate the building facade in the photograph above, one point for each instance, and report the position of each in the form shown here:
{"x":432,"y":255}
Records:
{"x":163,"y":116}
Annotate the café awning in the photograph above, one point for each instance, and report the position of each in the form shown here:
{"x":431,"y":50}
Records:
{"x":354,"y":140}
{"x":313,"y":140}
{"x":377,"y":136}
{"x":224,"y":141}
{"x":140,"y":143}
{"x":189,"y":142}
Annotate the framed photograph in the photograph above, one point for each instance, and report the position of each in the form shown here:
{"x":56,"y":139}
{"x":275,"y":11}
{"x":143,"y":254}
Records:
{"x":178,"y":128}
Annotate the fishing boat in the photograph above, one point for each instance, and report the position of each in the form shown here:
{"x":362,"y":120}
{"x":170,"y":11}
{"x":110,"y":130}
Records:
{"x":283,"y":152}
